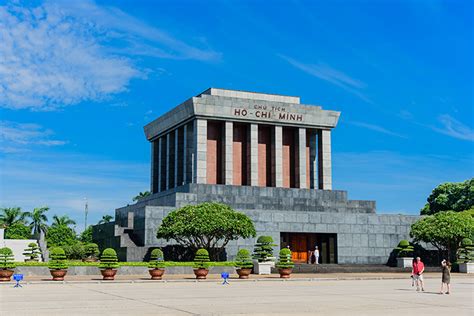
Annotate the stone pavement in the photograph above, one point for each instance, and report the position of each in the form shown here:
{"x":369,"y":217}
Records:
{"x":265,"y":297}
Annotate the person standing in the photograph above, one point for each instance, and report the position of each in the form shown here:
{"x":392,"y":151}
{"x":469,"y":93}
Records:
{"x":445,"y":276}
{"x":316,"y":255}
{"x":418,"y":269}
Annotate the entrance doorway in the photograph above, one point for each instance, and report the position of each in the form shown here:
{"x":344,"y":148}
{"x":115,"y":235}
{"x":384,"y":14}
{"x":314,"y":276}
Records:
{"x":302,"y":243}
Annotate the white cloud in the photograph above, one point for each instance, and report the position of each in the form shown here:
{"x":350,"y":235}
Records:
{"x":17,"y":137}
{"x":377,"y":128}
{"x":454,"y":128}
{"x":62,"y":53}
{"x":331,"y":75}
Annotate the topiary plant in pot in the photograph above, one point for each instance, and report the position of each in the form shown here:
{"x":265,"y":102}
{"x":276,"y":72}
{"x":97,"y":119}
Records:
{"x":201,"y":264}
{"x":285,"y":263}
{"x":404,"y":254}
{"x":262,"y":253}
{"x":57,"y":263}
{"x":91,"y":252}
{"x":465,"y":256}
{"x":108,"y":264}
{"x":32,"y":252}
{"x":243,"y":263}
{"x":156,"y":264}
{"x":6,"y":264}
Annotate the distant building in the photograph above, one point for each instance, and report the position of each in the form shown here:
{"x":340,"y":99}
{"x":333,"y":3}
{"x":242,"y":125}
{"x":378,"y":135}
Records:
{"x":266,"y":155}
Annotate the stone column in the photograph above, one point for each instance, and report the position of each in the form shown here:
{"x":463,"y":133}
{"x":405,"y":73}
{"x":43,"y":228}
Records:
{"x":176,"y":155}
{"x":313,"y":161}
{"x":153,"y":162}
{"x":167,"y":161}
{"x":324,"y":159}
{"x":253,"y":154}
{"x":200,"y":151}
{"x":278,"y":156}
{"x":302,"y":158}
{"x":228,"y":153}
{"x":185,"y":135}
{"x":159,"y":163}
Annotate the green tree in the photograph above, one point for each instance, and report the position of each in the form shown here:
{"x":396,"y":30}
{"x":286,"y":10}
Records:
{"x":141,"y":195}
{"x":17,"y":230}
{"x":11,"y":215}
{"x":60,"y":235}
{"x":444,"y":230}
{"x":206,"y":225}
{"x":86,"y":235}
{"x":62,"y":221}
{"x":106,"y":219}
{"x":450,"y":196}
{"x":39,"y":220}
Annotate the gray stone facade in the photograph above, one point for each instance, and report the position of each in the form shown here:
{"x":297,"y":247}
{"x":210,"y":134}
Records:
{"x":362,"y":236}
{"x":297,"y":196}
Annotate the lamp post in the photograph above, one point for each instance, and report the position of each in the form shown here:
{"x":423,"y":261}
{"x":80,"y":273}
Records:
{"x":86,"y":210}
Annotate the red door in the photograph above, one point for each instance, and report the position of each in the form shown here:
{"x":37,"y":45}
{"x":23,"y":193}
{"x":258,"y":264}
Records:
{"x":299,"y":248}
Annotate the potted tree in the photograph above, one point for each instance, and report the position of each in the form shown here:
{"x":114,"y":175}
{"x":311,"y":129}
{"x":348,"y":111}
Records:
{"x":91,"y":252}
{"x":466,"y":256}
{"x":285,"y":263}
{"x":108,"y":264}
{"x":404,"y":254}
{"x":32,"y":252}
{"x":156,"y":264}
{"x":201,"y":264}
{"x":262,"y":253}
{"x":6,"y":264}
{"x":57,"y":263}
{"x":243,"y":263}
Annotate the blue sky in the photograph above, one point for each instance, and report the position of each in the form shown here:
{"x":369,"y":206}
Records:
{"x":79,"y":79}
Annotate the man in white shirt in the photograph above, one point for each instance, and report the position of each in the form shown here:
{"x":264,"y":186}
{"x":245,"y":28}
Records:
{"x":316,"y":255}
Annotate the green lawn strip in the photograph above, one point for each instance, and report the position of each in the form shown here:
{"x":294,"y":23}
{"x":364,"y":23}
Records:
{"x":130,"y":264}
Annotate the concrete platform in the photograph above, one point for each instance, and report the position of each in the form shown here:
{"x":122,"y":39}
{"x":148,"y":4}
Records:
{"x":298,"y":297}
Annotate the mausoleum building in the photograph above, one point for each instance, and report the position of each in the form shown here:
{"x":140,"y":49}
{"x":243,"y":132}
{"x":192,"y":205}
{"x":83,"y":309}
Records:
{"x":265,"y":155}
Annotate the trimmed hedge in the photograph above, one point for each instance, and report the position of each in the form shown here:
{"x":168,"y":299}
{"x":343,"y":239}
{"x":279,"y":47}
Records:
{"x":126,"y":264}
{"x":58,"y":259}
{"x":108,"y":259}
{"x":243,"y":259}
{"x":285,"y":261}
{"x":157,"y":259}
{"x":201,"y":260}
{"x":6,"y":258}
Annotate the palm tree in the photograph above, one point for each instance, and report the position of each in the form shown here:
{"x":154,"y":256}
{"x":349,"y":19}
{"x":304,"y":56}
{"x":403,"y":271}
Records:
{"x":38,"y":220}
{"x":106,"y":219}
{"x":62,"y":221}
{"x":11,"y":215}
{"x":141,"y":195}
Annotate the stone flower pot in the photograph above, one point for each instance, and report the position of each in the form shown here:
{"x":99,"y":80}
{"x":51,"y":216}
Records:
{"x":58,"y":274}
{"x":108,"y":274}
{"x":263,"y":267}
{"x":156,"y":274}
{"x":201,"y":273}
{"x":404,"y":262}
{"x":244,"y":273}
{"x":466,"y":267}
{"x":5,"y":275}
{"x":285,"y":272}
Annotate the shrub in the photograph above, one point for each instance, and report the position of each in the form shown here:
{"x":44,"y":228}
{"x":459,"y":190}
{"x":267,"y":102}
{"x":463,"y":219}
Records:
{"x":157,"y":260}
{"x":57,"y":259}
{"x":108,"y":260}
{"x":263,"y":248}
{"x":32,"y":252}
{"x":404,"y":249}
{"x":466,"y":251}
{"x":285,"y":261}
{"x":6,"y":258}
{"x":201,"y":260}
{"x":18,"y":231}
{"x":91,"y":250}
{"x":75,"y":250}
{"x":243,"y":259}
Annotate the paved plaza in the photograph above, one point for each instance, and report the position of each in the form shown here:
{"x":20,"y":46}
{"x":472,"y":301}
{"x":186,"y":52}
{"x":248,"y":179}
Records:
{"x":262,"y":297}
